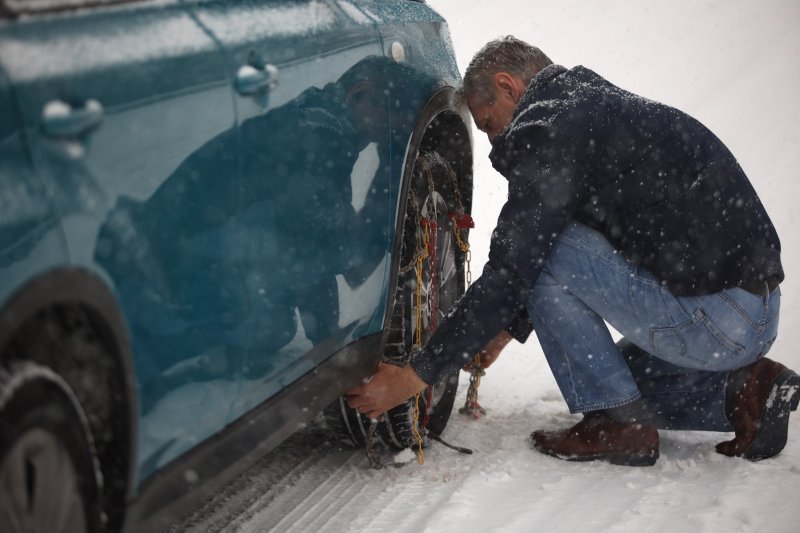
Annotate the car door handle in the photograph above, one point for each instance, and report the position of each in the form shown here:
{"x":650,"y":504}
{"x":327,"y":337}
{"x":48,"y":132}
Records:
{"x":251,"y":80}
{"x":60,"y":120}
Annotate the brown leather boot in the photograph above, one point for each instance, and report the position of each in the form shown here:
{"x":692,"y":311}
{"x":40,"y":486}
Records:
{"x":600,"y":437}
{"x":761,"y":410}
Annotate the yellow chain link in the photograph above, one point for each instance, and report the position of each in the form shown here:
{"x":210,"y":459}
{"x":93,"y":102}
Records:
{"x":416,"y":432}
{"x":421,"y":256}
{"x":464,"y":247}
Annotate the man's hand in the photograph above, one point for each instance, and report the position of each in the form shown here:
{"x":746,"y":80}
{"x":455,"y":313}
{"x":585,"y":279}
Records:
{"x":389,"y":386}
{"x":492,"y":351}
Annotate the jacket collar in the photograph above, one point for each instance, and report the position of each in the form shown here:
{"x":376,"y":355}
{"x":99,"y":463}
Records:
{"x":498,"y":155}
{"x":537,"y":85}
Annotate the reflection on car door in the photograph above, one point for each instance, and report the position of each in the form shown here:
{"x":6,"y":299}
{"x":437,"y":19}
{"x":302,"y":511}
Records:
{"x":310,"y":93}
{"x":126,"y":111}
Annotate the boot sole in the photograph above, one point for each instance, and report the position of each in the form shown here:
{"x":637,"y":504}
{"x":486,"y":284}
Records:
{"x":783,"y":398}
{"x":648,"y":459}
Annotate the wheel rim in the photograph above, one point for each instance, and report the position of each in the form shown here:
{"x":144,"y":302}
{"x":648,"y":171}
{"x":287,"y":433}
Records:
{"x":39,"y":488}
{"x":435,"y":208}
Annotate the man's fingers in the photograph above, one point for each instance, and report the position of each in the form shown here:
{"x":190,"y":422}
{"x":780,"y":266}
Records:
{"x":364,"y":406}
{"x":389,"y":386}
{"x":362,"y":402}
{"x":355,"y":400}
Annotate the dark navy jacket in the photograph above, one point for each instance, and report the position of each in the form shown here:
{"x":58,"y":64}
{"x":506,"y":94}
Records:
{"x":659,"y":185}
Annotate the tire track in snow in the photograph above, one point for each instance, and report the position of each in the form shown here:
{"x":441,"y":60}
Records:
{"x":407,"y":506}
{"x":313,"y":502}
{"x":306,"y":455}
{"x":310,"y":483}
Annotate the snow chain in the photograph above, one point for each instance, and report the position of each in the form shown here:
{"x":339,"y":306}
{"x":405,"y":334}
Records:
{"x":459,"y":221}
{"x":471,"y":406}
{"x":425,"y":250}
{"x":373,"y":458}
{"x":424,"y":227}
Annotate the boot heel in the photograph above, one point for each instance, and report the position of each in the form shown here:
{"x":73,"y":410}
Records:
{"x":783,"y":398}
{"x":790,"y":388}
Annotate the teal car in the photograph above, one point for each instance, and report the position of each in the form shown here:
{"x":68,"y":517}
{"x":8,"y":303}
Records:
{"x":215,"y":218}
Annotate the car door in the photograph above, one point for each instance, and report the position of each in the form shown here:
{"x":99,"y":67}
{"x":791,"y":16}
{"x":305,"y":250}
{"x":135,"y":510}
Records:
{"x":30,"y":239}
{"x":311,"y":100}
{"x":128,"y":116}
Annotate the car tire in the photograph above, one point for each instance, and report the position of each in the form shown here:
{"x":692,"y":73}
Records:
{"x":49,"y":478}
{"x":433,"y":196}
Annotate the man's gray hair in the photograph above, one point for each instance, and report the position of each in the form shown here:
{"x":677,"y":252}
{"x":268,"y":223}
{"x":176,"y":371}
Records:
{"x":507,"y":54}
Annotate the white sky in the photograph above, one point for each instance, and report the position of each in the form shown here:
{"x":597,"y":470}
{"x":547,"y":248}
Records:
{"x":732,"y":64}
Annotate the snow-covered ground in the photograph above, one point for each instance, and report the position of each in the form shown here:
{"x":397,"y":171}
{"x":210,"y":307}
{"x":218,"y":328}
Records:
{"x":733,"y":64}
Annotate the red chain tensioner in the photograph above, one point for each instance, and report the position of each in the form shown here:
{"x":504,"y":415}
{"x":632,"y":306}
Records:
{"x":461,"y":221}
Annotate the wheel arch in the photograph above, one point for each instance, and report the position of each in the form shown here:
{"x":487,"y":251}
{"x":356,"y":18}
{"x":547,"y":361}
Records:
{"x":77,"y":294}
{"x":444,"y":126}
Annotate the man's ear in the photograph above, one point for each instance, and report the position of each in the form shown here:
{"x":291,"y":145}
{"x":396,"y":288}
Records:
{"x":508,"y":85}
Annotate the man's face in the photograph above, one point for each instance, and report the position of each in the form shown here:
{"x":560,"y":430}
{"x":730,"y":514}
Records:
{"x":493,"y":116}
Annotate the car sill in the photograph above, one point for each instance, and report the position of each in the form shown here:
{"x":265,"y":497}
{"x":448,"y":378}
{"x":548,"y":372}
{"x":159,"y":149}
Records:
{"x":175,"y":490}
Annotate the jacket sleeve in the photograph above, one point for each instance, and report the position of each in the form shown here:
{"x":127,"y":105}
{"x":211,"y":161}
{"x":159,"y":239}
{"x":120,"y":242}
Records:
{"x":545,"y":187}
{"x":520,"y":327}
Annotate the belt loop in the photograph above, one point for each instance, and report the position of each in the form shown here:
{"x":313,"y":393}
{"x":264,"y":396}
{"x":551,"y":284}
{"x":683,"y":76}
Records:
{"x":766,"y":295}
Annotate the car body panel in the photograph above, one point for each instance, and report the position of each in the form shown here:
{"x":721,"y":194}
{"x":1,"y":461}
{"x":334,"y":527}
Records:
{"x":307,"y":173}
{"x":418,"y":36}
{"x":31,"y":240}
{"x":245,"y":221}
{"x":102,"y":182}
{"x":171,"y":493}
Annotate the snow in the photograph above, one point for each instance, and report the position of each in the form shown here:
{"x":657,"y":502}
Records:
{"x":247,"y":23}
{"x":354,"y":12}
{"x":169,"y":34}
{"x":42,"y":5}
{"x":733,"y":65}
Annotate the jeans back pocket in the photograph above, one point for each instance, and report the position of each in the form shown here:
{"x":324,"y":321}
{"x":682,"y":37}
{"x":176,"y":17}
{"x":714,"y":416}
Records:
{"x":696,"y":343}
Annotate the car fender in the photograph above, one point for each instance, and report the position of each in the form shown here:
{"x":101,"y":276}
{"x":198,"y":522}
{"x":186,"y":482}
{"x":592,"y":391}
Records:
{"x":78,"y":286}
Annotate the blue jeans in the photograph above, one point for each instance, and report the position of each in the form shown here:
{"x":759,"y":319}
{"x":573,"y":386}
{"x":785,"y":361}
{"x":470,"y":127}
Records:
{"x":687,"y":346}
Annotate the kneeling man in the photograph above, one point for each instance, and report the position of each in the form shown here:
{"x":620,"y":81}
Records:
{"x":623,"y":210}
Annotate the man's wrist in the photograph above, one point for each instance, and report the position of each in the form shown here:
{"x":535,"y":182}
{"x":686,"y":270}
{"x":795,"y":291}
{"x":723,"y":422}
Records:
{"x":422,"y":368}
{"x":414,"y":380}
